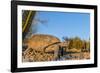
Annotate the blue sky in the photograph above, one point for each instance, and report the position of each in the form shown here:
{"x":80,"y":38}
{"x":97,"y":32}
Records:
{"x":61,"y":24}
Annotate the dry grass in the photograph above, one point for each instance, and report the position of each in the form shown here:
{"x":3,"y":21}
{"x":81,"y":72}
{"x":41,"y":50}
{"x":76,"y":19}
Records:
{"x":35,"y":56}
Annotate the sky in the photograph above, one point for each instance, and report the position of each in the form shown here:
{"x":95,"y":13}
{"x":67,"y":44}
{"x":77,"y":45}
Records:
{"x":64,"y":24}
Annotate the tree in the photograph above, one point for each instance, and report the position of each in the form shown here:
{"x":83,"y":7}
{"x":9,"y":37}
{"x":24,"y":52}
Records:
{"x":70,"y":46}
{"x":77,"y":43}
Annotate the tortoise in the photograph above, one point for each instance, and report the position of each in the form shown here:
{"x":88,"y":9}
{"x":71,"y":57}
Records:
{"x":41,"y":43}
